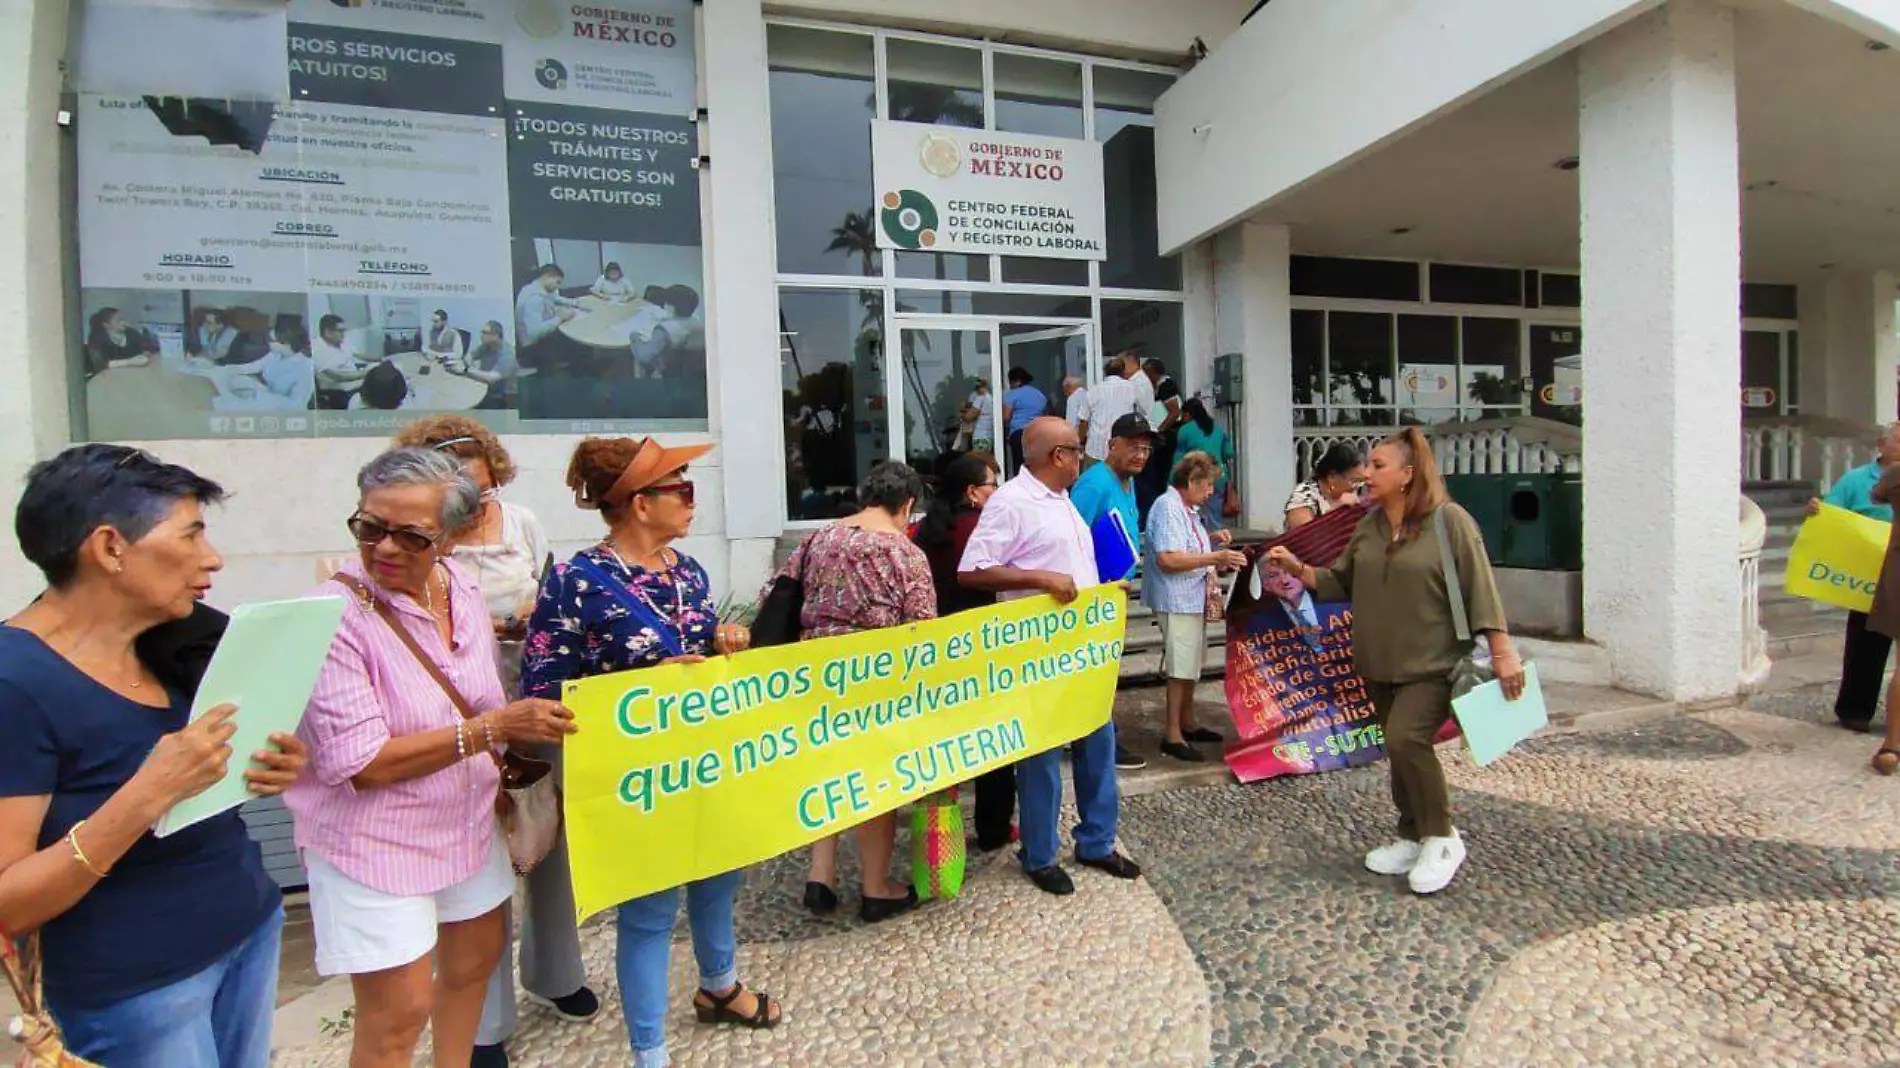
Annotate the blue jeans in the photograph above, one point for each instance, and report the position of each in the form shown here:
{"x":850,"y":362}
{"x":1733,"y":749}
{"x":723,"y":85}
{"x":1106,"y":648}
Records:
{"x":218,"y":1018}
{"x":645,"y":930}
{"x":1039,"y":795}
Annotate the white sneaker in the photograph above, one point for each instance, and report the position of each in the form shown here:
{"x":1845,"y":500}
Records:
{"x":1438,"y":862}
{"x":1394,"y":859}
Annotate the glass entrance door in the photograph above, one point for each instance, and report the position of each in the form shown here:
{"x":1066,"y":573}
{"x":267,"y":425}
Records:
{"x":952,"y":373}
{"x":947,"y":401}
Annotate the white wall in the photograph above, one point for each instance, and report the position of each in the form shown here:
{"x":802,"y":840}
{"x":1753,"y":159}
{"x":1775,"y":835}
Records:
{"x":1133,"y":28}
{"x":1876,"y":19}
{"x":33,"y":341}
{"x":1848,"y":346}
{"x":1308,"y":85}
{"x":1661,"y":248}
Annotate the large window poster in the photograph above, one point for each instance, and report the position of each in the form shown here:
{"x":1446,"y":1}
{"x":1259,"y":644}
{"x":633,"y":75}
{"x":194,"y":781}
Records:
{"x":467,"y":205}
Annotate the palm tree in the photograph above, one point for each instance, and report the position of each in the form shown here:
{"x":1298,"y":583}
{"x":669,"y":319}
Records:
{"x":857,"y":235}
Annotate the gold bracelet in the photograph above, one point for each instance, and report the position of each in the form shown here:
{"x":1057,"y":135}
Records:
{"x":79,"y":854}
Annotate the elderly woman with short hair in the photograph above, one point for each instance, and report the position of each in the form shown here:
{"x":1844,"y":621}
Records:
{"x":397,"y":820}
{"x":1182,"y":559}
{"x":504,"y":546}
{"x":630,"y":603}
{"x":156,"y":951}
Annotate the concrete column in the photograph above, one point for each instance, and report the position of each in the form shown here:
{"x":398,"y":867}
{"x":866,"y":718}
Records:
{"x":1848,"y":346}
{"x":742,"y":300}
{"x":1196,"y":373}
{"x":34,"y":342}
{"x":1661,"y":438}
{"x":1253,"y":316}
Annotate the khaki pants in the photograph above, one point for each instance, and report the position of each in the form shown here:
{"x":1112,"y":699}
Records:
{"x":1410,"y":714}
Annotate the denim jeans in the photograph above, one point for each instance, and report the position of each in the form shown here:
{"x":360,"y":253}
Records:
{"x":645,"y":935}
{"x":1097,"y":802}
{"x":218,"y":1018}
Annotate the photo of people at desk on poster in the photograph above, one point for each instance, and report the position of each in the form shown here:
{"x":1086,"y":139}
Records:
{"x":610,"y":330}
{"x":409,"y":355}
{"x":162,"y":363}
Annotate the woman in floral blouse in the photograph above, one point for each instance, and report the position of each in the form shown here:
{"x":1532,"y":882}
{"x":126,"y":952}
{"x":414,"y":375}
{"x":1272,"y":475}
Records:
{"x":864,"y":573}
{"x":634,"y":602}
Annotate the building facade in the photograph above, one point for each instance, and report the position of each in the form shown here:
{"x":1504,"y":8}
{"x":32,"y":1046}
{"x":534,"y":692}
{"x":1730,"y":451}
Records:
{"x":1651,"y":241}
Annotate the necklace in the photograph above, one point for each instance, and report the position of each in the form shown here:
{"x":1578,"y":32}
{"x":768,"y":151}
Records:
{"x":679,"y":595}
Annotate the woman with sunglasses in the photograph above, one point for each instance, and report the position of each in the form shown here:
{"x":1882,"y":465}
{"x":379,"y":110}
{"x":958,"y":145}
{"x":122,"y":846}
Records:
{"x":633,"y":602}
{"x":966,"y":487}
{"x":396,"y":821}
{"x":505,"y":548}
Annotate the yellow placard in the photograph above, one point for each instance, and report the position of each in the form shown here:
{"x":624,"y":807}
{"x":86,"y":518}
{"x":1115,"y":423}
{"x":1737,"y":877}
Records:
{"x":689,"y":770}
{"x":1836,"y":558}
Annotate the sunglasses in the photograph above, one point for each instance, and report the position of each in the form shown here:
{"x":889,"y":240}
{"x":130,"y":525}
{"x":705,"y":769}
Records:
{"x":683,"y":489}
{"x":369,"y":533}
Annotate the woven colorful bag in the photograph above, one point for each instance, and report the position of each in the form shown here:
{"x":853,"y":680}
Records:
{"x":936,"y":846}
{"x":33,"y":1028}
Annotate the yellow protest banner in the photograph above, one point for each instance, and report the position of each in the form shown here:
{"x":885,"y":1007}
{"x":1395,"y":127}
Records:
{"x":689,"y":770}
{"x":1836,"y":559}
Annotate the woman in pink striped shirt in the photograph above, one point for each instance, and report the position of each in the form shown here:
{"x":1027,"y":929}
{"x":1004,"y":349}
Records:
{"x":396,"y":818}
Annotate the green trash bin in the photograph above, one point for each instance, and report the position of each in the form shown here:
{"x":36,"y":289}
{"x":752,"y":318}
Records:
{"x":1543,"y":522}
{"x":1485,"y":498}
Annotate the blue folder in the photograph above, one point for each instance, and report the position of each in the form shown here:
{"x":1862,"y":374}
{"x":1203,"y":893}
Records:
{"x":1115,"y":548}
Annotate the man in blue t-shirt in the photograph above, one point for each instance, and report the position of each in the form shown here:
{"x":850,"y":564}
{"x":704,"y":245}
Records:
{"x":1109,"y":488}
{"x":1864,"y":658}
{"x":1022,"y":402}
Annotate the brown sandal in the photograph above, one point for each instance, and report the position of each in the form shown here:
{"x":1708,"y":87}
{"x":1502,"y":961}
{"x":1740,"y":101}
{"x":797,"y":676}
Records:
{"x":1883,"y":764}
{"x":761,"y":1018}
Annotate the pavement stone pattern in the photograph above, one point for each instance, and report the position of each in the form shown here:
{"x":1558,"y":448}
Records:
{"x":1719,"y":889}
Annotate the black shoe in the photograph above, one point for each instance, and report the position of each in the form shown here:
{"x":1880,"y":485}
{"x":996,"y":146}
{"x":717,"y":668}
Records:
{"x":1127,"y":761}
{"x":821,"y":899}
{"x":495,"y":1056}
{"x":879,"y":909}
{"x":1202,"y":734}
{"x":1052,"y":880}
{"x":1114,"y":864}
{"x":581,"y":1005}
{"x":1858,"y":726}
{"x":1183,"y":751}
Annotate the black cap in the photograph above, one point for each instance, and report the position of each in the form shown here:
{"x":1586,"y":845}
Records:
{"x":1131,"y":426}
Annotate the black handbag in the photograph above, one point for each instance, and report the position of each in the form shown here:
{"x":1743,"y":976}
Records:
{"x":778,"y":619}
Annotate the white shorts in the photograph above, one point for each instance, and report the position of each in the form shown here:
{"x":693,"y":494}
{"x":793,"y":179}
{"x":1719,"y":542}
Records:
{"x":1183,"y":644}
{"x":360,"y":930}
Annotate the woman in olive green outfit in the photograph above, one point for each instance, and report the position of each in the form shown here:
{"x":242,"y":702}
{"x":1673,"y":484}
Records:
{"x":1405,"y":645}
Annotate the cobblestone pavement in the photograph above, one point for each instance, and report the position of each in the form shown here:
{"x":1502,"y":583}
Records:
{"x":1720,"y":889}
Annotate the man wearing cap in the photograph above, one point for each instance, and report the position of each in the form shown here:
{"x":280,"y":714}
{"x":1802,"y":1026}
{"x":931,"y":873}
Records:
{"x":1108,"y":489}
{"x":1030,"y":540}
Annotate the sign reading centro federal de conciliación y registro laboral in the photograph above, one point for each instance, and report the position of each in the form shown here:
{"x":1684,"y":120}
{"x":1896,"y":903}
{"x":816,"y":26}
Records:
{"x":942,"y":189}
{"x":378,"y":250}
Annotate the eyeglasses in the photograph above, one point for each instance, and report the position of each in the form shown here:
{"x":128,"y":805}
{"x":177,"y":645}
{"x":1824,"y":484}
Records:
{"x":683,"y":489}
{"x":451,"y":443}
{"x":1056,"y":453}
{"x":132,"y":454}
{"x":368,"y":532}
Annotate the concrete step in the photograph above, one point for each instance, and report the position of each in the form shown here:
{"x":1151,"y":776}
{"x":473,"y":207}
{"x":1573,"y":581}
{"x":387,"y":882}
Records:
{"x":1578,"y":663}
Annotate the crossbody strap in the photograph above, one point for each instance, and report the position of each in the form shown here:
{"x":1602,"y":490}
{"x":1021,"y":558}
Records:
{"x":409,"y":642}
{"x":1454,"y":589}
{"x":670,"y":633}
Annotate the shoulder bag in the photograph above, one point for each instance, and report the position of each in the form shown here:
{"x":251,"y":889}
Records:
{"x":1470,"y":672}
{"x":528,"y":803}
{"x":33,"y":1026}
{"x":780,"y":613}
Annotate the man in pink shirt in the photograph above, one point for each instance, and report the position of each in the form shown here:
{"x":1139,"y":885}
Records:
{"x":1030,"y":540}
